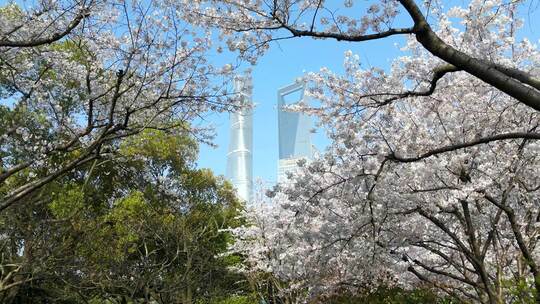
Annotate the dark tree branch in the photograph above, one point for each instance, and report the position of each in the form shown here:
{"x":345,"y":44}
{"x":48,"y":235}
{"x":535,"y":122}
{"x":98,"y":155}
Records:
{"x":469,"y":229}
{"x":469,"y":254}
{"x":33,"y":42}
{"x":529,"y":259}
{"x":463,"y":269}
{"x":445,"y":273}
{"x":438,"y":73}
{"x":444,"y":288}
{"x":476,"y":67}
{"x":449,"y":148}
{"x":522,"y":76}
{"x":27,"y":189}
{"x":446,"y":230}
{"x":491,"y":234}
{"x":7,"y":173}
{"x":119,"y":77}
{"x":344,"y":37}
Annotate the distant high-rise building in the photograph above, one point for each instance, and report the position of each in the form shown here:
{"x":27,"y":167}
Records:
{"x":239,"y":157}
{"x":294,"y":131}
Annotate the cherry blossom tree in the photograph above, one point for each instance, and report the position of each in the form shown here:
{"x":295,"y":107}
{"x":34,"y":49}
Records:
{"x":432,"y":176}
{"x":250,"y":25}
{"x":78,"y":76}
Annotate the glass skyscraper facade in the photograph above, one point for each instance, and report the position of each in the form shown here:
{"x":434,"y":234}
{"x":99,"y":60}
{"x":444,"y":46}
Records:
{"x":294,"y":130}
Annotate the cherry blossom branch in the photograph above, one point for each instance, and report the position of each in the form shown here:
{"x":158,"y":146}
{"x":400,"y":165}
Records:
{"x":438,"y":73}
{"x":345,"y":37}
{"x":486,"y":72}
{"x":529,"y":259}
{"x":422,"y":277}
{"x":33,"y":42}
{"x":445,"y":273}
{"x":471,"y":256}
{"x":449,"y":148}
{"x":29,"y":188}
{"x":109,"y":133}
{"x":513,"y":82}
{"x":463,"y":269}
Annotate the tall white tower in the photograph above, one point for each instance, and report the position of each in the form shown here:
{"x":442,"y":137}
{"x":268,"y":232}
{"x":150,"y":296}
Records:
{"x":239,"y":157}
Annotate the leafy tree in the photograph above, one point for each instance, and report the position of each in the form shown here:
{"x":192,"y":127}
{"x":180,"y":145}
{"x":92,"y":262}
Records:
{"x":143,"y":226}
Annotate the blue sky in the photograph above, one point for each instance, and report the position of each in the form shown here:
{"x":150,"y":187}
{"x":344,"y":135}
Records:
{"x":289,"y":59}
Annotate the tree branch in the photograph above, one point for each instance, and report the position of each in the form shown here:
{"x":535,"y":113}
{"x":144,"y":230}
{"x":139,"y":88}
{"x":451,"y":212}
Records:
{"x":33,"y":42}
{"x":438,"y":73}
{"x":344,"y":37}
{"x":476,"y":67}
{"x":529,"y":259}
{"x":449,"y":148}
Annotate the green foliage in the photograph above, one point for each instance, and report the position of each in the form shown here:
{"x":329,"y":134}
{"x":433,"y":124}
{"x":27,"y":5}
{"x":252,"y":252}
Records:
{"x":77,"y":49}
{"x":143,"y":226}
{"x":67,"y":202}
{"x":234,"y":299}
{"x":393,"y":295}
{"x":11,"y":11}
{"x":519,"y":292}
{"x":159,"y":148}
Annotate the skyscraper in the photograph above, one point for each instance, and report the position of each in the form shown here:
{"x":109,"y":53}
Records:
{"x":239,"y":158}
{"x":294,"y":131}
